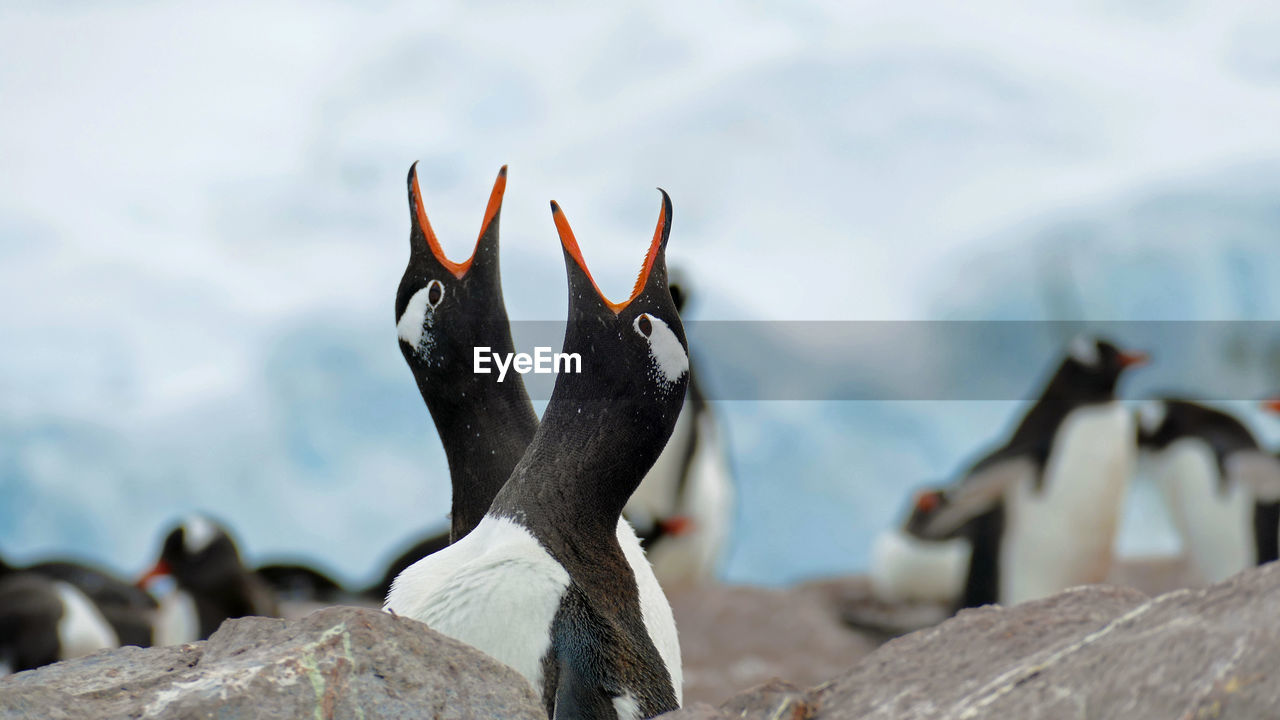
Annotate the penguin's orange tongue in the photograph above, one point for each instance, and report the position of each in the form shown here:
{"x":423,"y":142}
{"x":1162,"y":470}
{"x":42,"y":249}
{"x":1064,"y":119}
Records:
{"x":570,"y":244}
{"x":1273,"y":405}
{"x":433,"y":243}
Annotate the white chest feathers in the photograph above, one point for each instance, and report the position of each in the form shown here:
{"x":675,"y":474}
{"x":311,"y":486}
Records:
{"x":82,"y":629}
{"x":1063,"y":534}
{"x":655,"y":610}
{"x":1214,"y":520}
{"x":496,"y":589}
{"x":176,"y":619}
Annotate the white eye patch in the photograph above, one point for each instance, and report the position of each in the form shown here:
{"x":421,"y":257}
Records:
{"x":669,"y":358}
{"x":415,"y":323}
{"x":1084,"y":350}
{"x":197,"y":534}
{"x":1151,"y":415}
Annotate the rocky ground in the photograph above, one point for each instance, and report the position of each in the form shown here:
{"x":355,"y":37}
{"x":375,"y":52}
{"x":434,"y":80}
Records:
{"x":1096,"y":652}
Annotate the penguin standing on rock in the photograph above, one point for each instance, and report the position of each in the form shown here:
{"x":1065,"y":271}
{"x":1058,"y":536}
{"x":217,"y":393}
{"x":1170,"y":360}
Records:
{"x":1041,"y":511}
{"x":213,"y":584}
{"x":547,"y":582}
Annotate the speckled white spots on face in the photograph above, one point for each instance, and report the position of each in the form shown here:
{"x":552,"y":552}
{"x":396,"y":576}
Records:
{"x":415,"y":324}
{"x":669,"y":358}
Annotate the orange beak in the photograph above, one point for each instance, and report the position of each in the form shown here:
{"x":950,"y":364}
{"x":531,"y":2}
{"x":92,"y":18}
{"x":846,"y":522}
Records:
{"x":676,"y":525}
{"x":570,"y":244}
{"x":927,"y":502}
{"x":433,"y":243}
{"x":160,"y":569}
{"x":1134,"y":359}
{"x":1273,"y":405}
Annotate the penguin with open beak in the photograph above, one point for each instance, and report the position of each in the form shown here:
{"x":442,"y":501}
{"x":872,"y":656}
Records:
{"x":548,"y":582}
{"x":444,"y":310}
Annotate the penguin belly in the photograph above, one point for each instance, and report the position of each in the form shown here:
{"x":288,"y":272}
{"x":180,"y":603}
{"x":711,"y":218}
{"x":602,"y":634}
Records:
{"x":500,"y":592}
{"x":1215,"y":522}
{"x":1063,"y":533}
{"x":708,"y":503}
{"x":907,"y":569}
{"x":497,"y":589}
{"x":176,"y":619}
{"x":83,"y":628}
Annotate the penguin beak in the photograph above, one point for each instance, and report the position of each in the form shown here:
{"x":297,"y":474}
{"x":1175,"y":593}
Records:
{"x":1272,"y":405}
{"x":656,"y":246}
{"x":421,"y":225}
{"x":928,"y":501}
{"x":676,"y":525}
{"x":160,"y":569}
{"x":1134,"y":359}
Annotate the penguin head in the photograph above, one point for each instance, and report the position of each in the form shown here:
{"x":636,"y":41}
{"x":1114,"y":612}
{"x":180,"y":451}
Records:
{"x":444,"y":309}
{"x":199,"y":554}
{"x":1093,"y":365}
{"x":949,"y":512}
{"x":634,"y":356}
{"x":926,"y":506}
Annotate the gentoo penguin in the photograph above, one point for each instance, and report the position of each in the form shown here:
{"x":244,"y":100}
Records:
{"x":548,"y":582}
{"x":905,"y":568}
{"x":485,"y":425}
{"x":127,"y":608}
{"x":213,"y":585}
{"x":683,"y":509}
{"x":1219,"y":485}
{"x":1041,"y":511}
{"x":444,"y":310}
{"x":43,"y":620}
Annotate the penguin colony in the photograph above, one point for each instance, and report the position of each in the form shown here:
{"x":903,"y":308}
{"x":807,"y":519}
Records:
{"x":1040,"y":513}
{"x":563,"y":530}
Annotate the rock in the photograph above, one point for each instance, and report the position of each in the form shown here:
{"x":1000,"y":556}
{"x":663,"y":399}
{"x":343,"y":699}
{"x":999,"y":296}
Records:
{"x":336,"y":663}
{"x":1088,"y":652}
{"x":733,"y":638}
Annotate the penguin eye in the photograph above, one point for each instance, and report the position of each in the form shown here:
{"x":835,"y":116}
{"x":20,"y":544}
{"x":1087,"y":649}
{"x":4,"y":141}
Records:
{"x":644,"y":325}
{"x":435,"y":292}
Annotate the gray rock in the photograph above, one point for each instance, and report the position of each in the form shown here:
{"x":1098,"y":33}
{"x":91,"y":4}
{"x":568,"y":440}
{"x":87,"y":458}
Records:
{"x":1095,"y":652}
{"x":734,"y":638}
{"x":335,"y":663}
